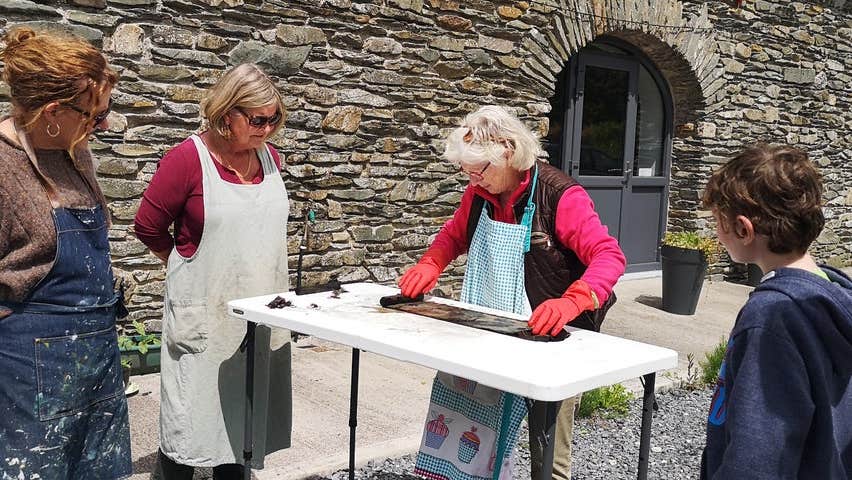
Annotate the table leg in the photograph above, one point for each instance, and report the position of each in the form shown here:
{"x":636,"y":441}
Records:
{"x":645,"y":436}
{"x":353,"y":410}
{"x":247,"y":440}
{"x":552,"y":409}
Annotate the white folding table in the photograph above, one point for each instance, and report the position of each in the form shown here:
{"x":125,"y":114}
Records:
{"x":542,"y":371}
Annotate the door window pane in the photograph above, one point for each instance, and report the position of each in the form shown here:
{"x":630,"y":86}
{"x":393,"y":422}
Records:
{"x":604,"y":117}
{"x":552,"y":143}
{"x":648,"y":153}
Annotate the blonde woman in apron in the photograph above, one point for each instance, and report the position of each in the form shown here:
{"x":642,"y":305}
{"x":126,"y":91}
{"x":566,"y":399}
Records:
{"x":222,"y":190}
{"x":535,"y":247}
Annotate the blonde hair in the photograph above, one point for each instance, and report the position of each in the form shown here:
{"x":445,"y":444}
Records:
{"x":42,"y":67}
{"x":244,"y":86}
{"x":487,"y":134}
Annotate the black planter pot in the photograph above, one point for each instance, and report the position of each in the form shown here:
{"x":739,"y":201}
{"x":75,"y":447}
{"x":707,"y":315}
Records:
{"x":754,"y":274}
{"x":125,"y":374}
{"x":683,"y":277}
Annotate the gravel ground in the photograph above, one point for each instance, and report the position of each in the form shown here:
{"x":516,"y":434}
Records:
{"x":606,"y":449}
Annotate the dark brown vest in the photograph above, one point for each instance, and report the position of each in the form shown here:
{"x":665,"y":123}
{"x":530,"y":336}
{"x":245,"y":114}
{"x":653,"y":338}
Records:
{"x":549,"y":268}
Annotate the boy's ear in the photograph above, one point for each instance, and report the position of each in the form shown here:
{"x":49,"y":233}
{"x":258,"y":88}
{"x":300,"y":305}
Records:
{"x":744,"y":229}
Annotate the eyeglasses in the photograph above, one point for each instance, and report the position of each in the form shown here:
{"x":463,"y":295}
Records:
{"x":260,"y":121}
{"x":477,"y":175}
{"x":97,"y":119}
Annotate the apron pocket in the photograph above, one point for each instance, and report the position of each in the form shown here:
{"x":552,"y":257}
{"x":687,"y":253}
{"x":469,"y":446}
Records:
{"x":75,"y":372}
{"x":186,"y":326}
{"x":469,"y":388}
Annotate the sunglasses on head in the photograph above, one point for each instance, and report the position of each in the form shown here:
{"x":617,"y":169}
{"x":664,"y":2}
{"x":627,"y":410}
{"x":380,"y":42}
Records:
{"x":98,"y":118}
{"x":260,"y":121}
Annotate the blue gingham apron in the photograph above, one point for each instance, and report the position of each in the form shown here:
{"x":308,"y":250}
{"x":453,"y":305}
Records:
{"x":472,"y":429}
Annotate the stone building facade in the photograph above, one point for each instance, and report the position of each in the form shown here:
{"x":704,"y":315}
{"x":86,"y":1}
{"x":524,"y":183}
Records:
{"x":371,"y":87}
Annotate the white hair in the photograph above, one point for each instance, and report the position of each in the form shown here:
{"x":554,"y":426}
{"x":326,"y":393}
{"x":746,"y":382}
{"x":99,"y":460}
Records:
{"x":487,"y":134}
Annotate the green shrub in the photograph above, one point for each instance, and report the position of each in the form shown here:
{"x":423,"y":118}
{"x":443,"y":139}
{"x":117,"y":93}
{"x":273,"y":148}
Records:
{"x":607,"y":402}
{"x":136,"y":336}
{"x":713,"y":362}
{"x":709,"y":247}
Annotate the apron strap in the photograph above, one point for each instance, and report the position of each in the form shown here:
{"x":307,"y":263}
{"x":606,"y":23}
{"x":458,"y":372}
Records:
{"x":508,"y":399}
{"x":50,"y":190}
{"x":267,"y":163}
{"x":529,"y":211}
{"x":24,"y":140}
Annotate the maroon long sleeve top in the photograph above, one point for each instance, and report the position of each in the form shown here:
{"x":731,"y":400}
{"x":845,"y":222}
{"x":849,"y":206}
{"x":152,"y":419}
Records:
{"x":175,"y":196}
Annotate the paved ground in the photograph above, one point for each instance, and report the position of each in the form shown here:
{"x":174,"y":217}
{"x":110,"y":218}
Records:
{"x":394,"y":396}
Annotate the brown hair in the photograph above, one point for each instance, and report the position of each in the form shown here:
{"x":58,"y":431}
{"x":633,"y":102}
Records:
{"x":244,"y":86}
{"x":777,"y":188}
{"x":41,"y":68}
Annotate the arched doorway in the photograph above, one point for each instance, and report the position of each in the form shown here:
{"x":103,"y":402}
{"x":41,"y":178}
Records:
{"x":610,"y":128}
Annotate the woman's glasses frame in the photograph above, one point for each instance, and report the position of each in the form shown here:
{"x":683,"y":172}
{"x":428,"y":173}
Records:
{"x":260,"y":121}
{"x":476,"y":175}
{"x":96,"y":118}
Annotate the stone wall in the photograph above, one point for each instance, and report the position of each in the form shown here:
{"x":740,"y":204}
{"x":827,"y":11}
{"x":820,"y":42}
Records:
{"x":372,"y":87}
{"x":787,"y":70}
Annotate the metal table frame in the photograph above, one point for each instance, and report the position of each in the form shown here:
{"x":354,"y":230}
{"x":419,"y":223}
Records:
{"x":550,"y":422}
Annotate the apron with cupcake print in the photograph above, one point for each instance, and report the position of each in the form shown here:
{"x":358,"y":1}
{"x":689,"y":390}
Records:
{"x":472,"y":429}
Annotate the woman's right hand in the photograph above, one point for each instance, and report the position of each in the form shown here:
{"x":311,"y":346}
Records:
{"x":420,"y":278}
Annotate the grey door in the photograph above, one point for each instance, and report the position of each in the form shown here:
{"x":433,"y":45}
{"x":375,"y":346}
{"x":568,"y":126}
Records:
{"x":616,"y":148}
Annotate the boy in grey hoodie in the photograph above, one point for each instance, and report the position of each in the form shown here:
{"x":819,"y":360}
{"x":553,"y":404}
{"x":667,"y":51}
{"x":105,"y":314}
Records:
{"x":783,"y":402}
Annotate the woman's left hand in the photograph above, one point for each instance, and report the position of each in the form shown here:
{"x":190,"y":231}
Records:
{"x":552,"y":315}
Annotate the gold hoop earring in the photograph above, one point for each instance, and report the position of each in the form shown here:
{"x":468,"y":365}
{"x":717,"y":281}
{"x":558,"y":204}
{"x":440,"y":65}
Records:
{"x":226,"y":132}
{"x":51,"y":134}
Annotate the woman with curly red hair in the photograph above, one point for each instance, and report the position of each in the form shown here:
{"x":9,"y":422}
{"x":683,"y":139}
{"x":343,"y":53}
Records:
{"x":63,"y":413}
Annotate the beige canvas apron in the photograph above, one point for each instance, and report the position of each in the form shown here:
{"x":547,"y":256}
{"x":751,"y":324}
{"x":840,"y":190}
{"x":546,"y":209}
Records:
{"x":243,"y":253}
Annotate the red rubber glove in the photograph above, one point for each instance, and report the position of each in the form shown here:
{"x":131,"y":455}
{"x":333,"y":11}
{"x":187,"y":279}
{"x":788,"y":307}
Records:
{"x":420,"y":278}
{"x":550,"y":317}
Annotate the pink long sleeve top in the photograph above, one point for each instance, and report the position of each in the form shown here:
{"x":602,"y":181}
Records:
{"x":578,"y":228}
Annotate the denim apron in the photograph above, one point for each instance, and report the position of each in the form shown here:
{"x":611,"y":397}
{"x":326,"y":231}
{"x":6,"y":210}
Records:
{"x":63,"y":414}
{"x":472,"y":429}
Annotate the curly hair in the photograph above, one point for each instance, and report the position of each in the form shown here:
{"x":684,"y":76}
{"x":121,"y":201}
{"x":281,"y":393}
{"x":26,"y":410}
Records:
{"x":41,"y":68}
{"x":777,"y":188}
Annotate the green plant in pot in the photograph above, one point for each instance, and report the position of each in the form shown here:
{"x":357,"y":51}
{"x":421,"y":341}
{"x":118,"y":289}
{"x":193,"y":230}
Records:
{"x":685,"y":257}
{"x":140,"y":348}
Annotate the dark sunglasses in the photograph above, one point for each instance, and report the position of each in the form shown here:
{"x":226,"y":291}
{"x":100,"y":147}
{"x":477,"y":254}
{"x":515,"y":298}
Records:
{"x":97,"y":119}
{"x":260,"y":121}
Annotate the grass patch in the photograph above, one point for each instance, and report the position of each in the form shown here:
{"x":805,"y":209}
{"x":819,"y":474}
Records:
{"x":713,"y":362}
{"x":705,"y":373}
{"x":607,"y":402}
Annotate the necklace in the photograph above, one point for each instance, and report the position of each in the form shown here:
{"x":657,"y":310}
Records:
{"x":250,"y":170}
{"x":250,"y":165}
{"x":248,"y":159}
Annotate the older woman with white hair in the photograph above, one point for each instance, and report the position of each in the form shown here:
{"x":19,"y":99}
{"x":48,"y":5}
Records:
{"x":535,"y":247}
{"x":223,"y":194}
